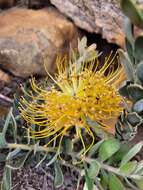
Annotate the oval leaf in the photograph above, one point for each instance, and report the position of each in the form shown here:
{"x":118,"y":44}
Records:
{"x":128,"y":28}
{"x":131,"y":153}
{"x":138,"y":106}
{"x":135,"y":92}
{"x":3,"y":142}
{"x":139,"y":169}
{"x":115,"y":183}
{"x":108,"y":148}
{"x":6,"y":181}
{"x":95,"y":147}
{"x":129,"y":167}
{"x":138,"y":48}
{"x":140,"y":71}
{"x":134,"y":119}
{"x":139,"y":183}
{"x":93,"y":169}
{"x":59,"y":179}
{"x":125,"y":61}
{"x":130,"y":10}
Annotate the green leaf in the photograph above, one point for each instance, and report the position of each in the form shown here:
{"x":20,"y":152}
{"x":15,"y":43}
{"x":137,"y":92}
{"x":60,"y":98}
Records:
{"x":125,"y":61}
{"x":108,"y":148}
{"x":104,"y":179}
{"x":130,"y":9}
{"x":97,"y":129}
{"x":115,"y":183}
{"x":7,"y":121}
{"x":67,"y":145}
{"x":93,"y":169}
{"x":129,"y":39}
{"x":138,"y":48}
{"x":131,"y":153}
{"x":13,"y":153}
{"x":129,"y":167}
{"x":139,"y":183}
{"x":6,"y":181}
{"x":124,"y":147}
{"x":135,"y":92}
{"x":20,"y":162}
{"x":139,"y":168}
{"x":129,"y":31}
{"x":40,"y":162}
{"x":140,"y":71}
{"x":129,"y":49}
{"x":3,"y":157}
{"x":86,"y":188}
{"x":3,"y":143}
{"x":15,"y":127}
{"x":123,"y":90}
{"x":89,"y":181}
{"x":59,"y":179}
{"x":134,"y":119}
{"x":54,"y":158}
{"x":94,"y":148}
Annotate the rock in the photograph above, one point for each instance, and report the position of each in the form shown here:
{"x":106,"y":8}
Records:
{"x":28,"y":38}
{"x":7,"y":3}
{"x":4,"y":77}
{"x":99,"y":16}
{"x":37,"y":3}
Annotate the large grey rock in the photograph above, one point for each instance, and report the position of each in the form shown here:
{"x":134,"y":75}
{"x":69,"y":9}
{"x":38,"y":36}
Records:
{"x":99,"y":16}
{"x":29,"y":38}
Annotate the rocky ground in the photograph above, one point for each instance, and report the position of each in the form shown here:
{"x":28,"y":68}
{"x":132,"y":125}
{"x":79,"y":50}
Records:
{"x":41,"y":178}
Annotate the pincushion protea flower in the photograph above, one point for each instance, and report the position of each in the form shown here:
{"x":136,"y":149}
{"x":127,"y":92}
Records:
{"x":78,"y":92}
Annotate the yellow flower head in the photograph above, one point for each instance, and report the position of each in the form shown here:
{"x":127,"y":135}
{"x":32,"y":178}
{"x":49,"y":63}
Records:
{"x":77,"y":93}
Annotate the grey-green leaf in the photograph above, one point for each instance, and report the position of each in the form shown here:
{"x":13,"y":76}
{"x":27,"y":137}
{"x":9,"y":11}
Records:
{"x":129,"y":49}
{"x":20,"y":162}
{"x":138,"y":48}
{"x":138,"y":106}
{"x":3,"y":143}
{"x":95,"y":147}
{"x":134,"y":119}
{"x":86,"y":188}
{"x":104,"y":179}
{"x":139,"y":168}
{"x":131,"y":153}
{"x":139,"y":183}
{"x":54,"y":158}
{"x":135,"y":92}
{"x":108,"y":148}
{"x":130,"y":9}
{"x":89,"y":181}
{"x":129,"y":31}
{"x":123,"y":90}
{"x":139,"y":71}
{"x":129,"y":167}
{"x":6,"y":181}
{"x":115,"y":183}
{"x":7,"y":121}
{"x":59,"y":179}
{"x":93,"y":169}
{"x":67,"y":145}
{"x":125,"y":61}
